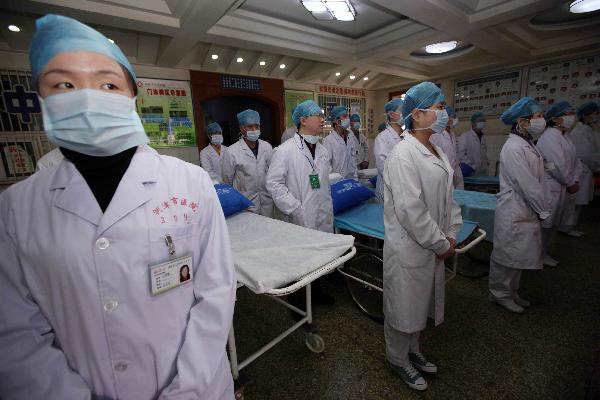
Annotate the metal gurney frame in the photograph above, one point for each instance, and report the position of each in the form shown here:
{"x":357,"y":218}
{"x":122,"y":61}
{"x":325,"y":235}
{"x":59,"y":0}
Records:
{"x":313,"y":341}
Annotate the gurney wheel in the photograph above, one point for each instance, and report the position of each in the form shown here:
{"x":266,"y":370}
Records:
{"x":367,"y":265}
{"x":315,"y":343}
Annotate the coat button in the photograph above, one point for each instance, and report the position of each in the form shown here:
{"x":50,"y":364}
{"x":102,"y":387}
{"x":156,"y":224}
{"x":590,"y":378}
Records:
{"x":102,"y":243}
{"x":120,"y":367}
{"x":111,"y":305}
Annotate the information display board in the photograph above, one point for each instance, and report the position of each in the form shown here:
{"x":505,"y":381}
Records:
{"x":292,"y":99}
{"x":491,"y":94}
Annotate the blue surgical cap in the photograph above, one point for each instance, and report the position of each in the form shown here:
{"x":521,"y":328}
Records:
{"x":394,"y":105}
{"x":523,"y":108}
{"x":337,"y":112}
{"x":381,"y":127}
{"x":214,"y":127}
{"x":307,"y":108}
{"x":422,"y":96}
{"x":478,"y":116}
{"x":248,"y":117}
{"x":557,"y":110}
{"x":587,"y":108}
{"x":451,"y":111}
{"x":355,"y":118}
{"x":56,"y":34}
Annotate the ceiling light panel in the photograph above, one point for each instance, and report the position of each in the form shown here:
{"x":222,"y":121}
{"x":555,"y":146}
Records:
{"x":327,"y":10}
{"x":443,"y":47}
{"x":584,"y":6}
{"x":14,"y":28}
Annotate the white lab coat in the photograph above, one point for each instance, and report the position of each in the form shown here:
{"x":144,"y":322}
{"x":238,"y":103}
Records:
{"x":248,"y":174}
{"x":362,"y":147}
{"x":419,"y":213}
{"x":560,"y":164}
{"x":384,"y":143}
{"x":288,"y":133}
{"x":49,"y":159}
{"x":586,"y":149}
{"x":211,"y":161}
{"x":288,"y":182}
{"x":520,"y":205}
{"x":343,"y":154}
{"x":447,"y":142}
{"x":77,"y":313}
{"x":473,"y":151}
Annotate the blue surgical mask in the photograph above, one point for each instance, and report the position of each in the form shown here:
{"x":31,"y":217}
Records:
{"x":356,"y":125}
{"x":312,"y":139}
{"x":92,"y":122}
{"x":440,"y":123}
{"x":216,"y":139}
{"x":480,"y":125}
{"x":345,"y":123}
{"x":253,"y":135}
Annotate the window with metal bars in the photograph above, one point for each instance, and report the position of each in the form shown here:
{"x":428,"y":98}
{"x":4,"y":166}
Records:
{"x":356,"y":105}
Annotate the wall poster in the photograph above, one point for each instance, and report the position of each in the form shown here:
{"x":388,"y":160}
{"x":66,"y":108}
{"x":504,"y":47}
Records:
{"x":292,"y":99}
{"x":165,"y":107}
{"x":490,"y":94}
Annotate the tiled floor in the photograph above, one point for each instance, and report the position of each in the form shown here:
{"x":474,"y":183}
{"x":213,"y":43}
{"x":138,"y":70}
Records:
{"x":483,"y":351}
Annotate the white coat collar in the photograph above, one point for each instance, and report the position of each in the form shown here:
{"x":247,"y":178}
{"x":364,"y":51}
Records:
{"x":248,"y":150}
{"x":303,"y":148}
{"x":425,"y":151}
{"x":77,"y":198}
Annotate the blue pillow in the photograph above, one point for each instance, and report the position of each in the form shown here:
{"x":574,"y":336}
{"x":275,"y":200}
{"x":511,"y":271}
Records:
{"x":373,"y":180}
{"x":231,"y":200}
{"x":348,"y":193}
{"x":466,"y":169}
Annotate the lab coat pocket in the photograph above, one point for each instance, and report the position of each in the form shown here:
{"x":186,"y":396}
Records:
{"x":184,"y":238}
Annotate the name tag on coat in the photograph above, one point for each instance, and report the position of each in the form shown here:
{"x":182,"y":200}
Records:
{"x":170,"y":274}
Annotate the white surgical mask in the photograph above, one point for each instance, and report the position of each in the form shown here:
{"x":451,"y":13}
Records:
{"x":312,"y":139}
{"x":356,"y":125}
{"x":398,"y":121}
{"x":480,"y":125}
{"x":216,"y":139}
{"x":568,"y":121}
{"x":440,"y":122}
{"x":253,"y":135}
{"x":454,"y":121}
{"x":345,"y":123}
{"x":536,"y":127}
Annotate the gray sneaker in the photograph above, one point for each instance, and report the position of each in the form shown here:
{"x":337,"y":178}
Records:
{"x":410,"y":376}
{"x":420,"y":363}
{"x":509,"y":304}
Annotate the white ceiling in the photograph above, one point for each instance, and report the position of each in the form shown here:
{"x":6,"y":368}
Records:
{"x":185,"y":33}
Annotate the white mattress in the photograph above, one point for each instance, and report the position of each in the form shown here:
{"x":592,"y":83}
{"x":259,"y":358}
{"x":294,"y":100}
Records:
{"x":270,"y":254}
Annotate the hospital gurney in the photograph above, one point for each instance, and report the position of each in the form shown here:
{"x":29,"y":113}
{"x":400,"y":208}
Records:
{"x":364,"y":274}
{"x":277,"y":258}
{"x":479,"y":207}
{"x":488,"y":184}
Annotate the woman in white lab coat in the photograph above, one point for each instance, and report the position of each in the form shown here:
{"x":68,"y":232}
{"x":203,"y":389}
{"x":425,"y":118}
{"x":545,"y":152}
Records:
{"x":521,"y":205}
{"x":211,"y":157}
{"x":88,"y":311}
{"x":421,"y":223}
{"x":588,"y":153}
{"x":446,"y":140}
{"x":386,"y":140}
{"x":561,"y":177}
{"x":472,"y":146}
{"x":298,"y":178}
{"x":341,"y":146}
{"x":246,"y":162}
{"x":360,"y":141}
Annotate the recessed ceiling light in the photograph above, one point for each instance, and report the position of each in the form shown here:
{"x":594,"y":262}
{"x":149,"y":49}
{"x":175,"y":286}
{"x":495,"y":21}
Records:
{"x":14,"y":28}
{"x":214,"y":56}
{"x":240,"y":59}
{"x":314,"y":6}
{"x":282,"y":66}
{"x":263,"y":63}
{"x":110,"y":40}
{"x":584,"y":6}
{"x":338,"y":73}
{"x":352,"y":76}
{"x":443,"y":47}
{"x":327,"y":10}
{"x":337,"y":6}
{"x":343,"y":15}
{"x":366,"y":78}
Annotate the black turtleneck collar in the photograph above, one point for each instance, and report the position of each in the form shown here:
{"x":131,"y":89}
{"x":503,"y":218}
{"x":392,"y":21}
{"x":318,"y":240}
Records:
{"x":102,"y":174}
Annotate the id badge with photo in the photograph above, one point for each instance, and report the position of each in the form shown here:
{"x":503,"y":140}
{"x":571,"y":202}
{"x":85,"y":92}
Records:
{"x":314,"y":181}
{"x":170,"y":274}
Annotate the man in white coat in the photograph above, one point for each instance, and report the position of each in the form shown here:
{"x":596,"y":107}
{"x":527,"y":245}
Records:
{"x":92,"y":305}
{"x":386,"y":140}
{"x":446,"y":140}
{"x":421,"y":223}
{"x":342,"y":148}
{"x":588,"y":153}
{"x":211,"y":157}
{"x":472,"y":147}
{"x":561,"y":173}
{"x":246,"y":162}
{"x":520,"y":207}
{"x":360,"y":141}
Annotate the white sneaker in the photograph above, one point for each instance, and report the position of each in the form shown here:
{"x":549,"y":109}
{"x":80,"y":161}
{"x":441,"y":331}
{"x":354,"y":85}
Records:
{"x":410,"y":376}
{"x":575,"y":234}
{"x":550,"y":262}
{"x":420,"y":363}
{"x":509,"y":304}
{"x":521,"y":301}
